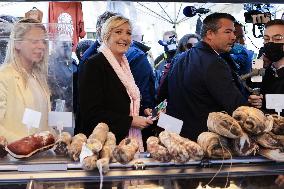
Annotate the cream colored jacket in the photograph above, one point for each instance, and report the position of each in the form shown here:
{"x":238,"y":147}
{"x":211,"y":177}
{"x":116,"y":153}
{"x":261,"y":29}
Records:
{"x":14,"y":98}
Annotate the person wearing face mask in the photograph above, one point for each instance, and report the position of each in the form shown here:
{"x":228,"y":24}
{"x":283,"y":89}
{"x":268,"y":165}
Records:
{"x":273,"y":81}
{"x":107,"y":90}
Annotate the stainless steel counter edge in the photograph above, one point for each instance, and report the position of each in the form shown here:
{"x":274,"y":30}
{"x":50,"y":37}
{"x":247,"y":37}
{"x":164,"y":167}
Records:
{"x":151,"y":173}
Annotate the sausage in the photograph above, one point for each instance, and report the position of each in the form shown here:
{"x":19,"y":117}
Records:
{"x":194,"y":151}
{"x":157,"y":151}
{"x":105,"y":153}
{"x":126,"y":150}
{"x":94,"y":145}
{"x":109,"y":146}
{"x":178,"y":151}
{"x":30,"y":145}
{"x":75,"y":147}
{"x":98,"y":137}
{"x":62,"y":143}
{"x":89,"y":163}
{"x":100,"y":132}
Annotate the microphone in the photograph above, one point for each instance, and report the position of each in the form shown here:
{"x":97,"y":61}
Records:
{"x":254,"y":72}
{"x":191,"y":11}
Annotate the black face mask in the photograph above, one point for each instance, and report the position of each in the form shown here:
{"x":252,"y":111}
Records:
{"x":273,"y":51}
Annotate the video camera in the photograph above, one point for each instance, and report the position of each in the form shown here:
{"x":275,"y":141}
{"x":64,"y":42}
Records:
{"x":170,"y":45}
{"x":258,"y":15}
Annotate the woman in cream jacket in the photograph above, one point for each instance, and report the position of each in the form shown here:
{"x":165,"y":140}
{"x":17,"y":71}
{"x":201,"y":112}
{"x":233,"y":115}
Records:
{"x":23,"y":79}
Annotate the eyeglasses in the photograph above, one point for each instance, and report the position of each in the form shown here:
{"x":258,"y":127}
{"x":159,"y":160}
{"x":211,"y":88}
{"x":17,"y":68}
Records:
{"x":34,"y":41}
{"x":274,"y":38}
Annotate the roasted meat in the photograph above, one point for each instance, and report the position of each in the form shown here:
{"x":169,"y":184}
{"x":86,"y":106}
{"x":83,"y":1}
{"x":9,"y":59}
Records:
{"x":214,"y":145}
{"x":278,"y":124}
{"x":224,"y":125}
{"x":253,"y":120}
{"x":244,"y":146}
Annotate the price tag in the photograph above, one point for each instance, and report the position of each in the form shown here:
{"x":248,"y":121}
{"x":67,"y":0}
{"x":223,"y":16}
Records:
{"x":85,"y":152}
{"x":31,"y":118}
{"x":170,"y":123}
{"x":275,"y":101}
{"x":60,"y":119}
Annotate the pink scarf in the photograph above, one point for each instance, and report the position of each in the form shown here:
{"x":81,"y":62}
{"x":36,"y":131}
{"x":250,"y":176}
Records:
{"x":123,"y":72}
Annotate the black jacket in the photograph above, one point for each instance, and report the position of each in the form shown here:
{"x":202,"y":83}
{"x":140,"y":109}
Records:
{"x":103,"y":98}
{"x":272,"y":83}
{"x":200,"y":84}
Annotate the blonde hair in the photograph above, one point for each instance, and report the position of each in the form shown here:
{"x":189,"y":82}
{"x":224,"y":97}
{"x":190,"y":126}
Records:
{"x":111,"y":23}
{"x":12,"y":56}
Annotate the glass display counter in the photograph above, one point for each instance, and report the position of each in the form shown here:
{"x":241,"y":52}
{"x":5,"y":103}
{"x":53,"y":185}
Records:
{"x":45,"y":170}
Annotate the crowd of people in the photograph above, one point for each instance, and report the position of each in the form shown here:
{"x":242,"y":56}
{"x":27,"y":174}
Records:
{"x":116,"y":83}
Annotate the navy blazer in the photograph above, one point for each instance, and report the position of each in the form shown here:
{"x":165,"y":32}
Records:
{"x":200,"y":84}
{"x":103,"y":98}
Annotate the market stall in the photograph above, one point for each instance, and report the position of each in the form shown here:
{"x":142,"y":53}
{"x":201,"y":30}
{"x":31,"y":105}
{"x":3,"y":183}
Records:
{"x":49,"y":166}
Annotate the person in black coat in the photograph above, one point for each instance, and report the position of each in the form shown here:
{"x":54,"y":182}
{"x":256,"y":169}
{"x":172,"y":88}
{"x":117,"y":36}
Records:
{"x":203,"y":82}
{"x":104,"y":94}
{"x":273,"y":80}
